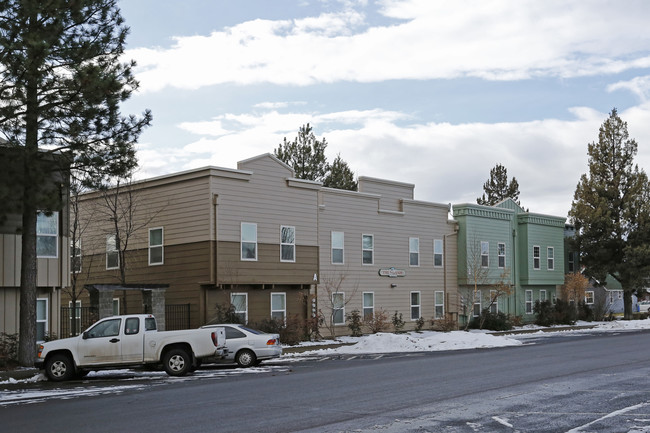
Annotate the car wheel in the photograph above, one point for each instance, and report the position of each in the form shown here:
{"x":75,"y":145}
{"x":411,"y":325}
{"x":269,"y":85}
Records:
{"x":177,"y":362}
{"x":59,"y":368}
{"x":246,"y":358}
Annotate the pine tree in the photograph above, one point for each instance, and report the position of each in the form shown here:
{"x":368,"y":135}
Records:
{"x":497,"y":187}
{"x":305,"y":154}
{"x":340,"y":176}
{"x":611,"y":211}
{"x":62,"y":85}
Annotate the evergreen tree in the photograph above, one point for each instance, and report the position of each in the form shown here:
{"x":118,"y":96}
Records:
{"x":62,"y":85}
{"x":611,"y":211}
{"x":497,"y":187}
{"x":305,"y":154}
{"x":340,"y":176}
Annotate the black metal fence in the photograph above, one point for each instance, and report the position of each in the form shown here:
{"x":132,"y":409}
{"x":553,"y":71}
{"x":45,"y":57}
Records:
{"x":75,"y":320}
{"x":177,"y":316}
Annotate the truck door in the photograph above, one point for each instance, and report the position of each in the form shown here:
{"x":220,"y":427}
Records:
{"x":133,"y":340}
{"x":101,"y":344}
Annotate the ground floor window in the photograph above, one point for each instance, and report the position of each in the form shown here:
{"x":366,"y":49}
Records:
{"x":439,"y":311}
{"x":338,"y":308}
{"x":415,"y":306}
{"x":477,"y":303}
{"x":542,"y":295}
{"x":239,"y":302}
{"x":116,"y":306}
{"x":279,"y":306}
{"x":41,"y":319}
{"x":589,"y":297}
{"x":529,"y":302}
{"x":494,"y":302}
{"x":368,"y":305}
{"x":75,"y":317}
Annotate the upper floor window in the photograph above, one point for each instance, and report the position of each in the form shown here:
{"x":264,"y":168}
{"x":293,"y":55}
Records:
{"x":47,"y":235}
{"x":337,"y":248}
{"x":414,"y":251}
{"x":156,"y":252}
{"x":248,"y":241}
{"x":485,"y":254}
{"x":501,"y":253}
{"x":437,"y":252}
{"x":112,"y":254}
{"x":75,"y":256}
{"x":550,"y":258}
{"x":368,"y":247}
{"x":287,"y":244}
{"x":536,"y":258}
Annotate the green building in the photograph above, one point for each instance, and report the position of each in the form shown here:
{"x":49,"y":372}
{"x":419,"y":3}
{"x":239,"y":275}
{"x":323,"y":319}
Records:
{"x":508,"y":258}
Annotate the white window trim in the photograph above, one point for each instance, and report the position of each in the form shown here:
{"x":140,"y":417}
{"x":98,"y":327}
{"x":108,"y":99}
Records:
{"x":242,"y":241}
{"x":342,"y":308}
{"x":593,"y":297}
{"x":418,"y":305}
{"x":284,"y":307}
{"x":486,"y":255}
{"x":116,"y":303}
{"x":542,"y":298}
{"x":494,"y":305}
{"x":411,"y":251}
{"x":477,"y":301}
{"x":441,"y":253}
{"x":501,"y":255}
{"x":115,"y":251}
{"x":436,"y":304}
{"x":363,"y":304}
{"x":245,"y":311}
{"x":47,"y":316}
{"x":372,"y":250}
{"x":161,"y":246}
{"x":342,"y":262}
{"x":550,"y":260}
{"x":50,"y":235}
{"x":539,"y":257}
{"x":527,"y":302}
{"x":291,"y":244}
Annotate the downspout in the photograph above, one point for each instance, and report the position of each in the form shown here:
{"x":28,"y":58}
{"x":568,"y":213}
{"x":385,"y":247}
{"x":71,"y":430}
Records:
{"x":514,"y":268}
{"x":215,"y":252}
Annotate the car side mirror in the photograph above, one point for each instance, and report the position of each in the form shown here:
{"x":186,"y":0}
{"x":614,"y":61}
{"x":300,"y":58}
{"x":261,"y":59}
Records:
{"x":85,"y":335}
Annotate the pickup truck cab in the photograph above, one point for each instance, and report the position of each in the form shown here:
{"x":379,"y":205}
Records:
{"x":127,"y":341}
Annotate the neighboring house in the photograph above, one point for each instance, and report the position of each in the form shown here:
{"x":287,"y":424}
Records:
{"x":605,"y":298}
{"x":503,"y":244}
{"x":51,"y":250}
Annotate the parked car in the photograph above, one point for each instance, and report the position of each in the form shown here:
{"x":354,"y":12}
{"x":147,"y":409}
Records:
{"x":246,"y":346}
{"x":644,"y":306}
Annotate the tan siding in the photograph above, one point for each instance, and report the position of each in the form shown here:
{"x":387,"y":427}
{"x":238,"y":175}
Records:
{"x":9,"y":307}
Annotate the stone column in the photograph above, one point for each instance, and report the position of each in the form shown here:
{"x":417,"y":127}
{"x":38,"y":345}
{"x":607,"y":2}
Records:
{"x":154,"y":303}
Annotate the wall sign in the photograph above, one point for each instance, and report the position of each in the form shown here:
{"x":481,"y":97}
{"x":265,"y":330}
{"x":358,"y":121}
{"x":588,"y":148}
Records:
{"x":392,"y":272}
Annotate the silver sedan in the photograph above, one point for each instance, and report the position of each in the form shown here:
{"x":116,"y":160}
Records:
{"x":248,"y":347}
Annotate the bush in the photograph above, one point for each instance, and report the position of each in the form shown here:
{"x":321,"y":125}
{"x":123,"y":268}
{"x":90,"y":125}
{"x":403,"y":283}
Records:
{"x":378,"y":322}
{"x":354,"y":323}
{"x":446,"y":324}
{"x":545,"y":313}
{"x":565,"y":313}
{"x":562,"y":313}
{"x":585,"y":312}
{"x":419,"y":324}
{"x":290,"y":332}
{"x":8,"y":350}
{"x":398,"y":322}
{"x":492,"y":321}
{"x":225,"y":314}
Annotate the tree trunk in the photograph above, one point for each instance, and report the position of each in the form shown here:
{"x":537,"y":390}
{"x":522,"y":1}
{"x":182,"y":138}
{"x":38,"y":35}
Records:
{"x":627,"y":304}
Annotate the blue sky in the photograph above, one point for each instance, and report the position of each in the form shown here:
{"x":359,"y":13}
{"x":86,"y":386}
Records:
{"x":433,"y":93}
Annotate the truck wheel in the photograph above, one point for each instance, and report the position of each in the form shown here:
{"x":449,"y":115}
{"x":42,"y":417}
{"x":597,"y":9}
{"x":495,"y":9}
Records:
{"x":177,"y":362}
{"x":245,"y":358}
{"x":59,"y":367}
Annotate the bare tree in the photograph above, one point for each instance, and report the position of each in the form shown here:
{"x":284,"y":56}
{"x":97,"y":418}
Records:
{"x":574,"y":288}
{"x":333,"y":311}
{"x":498,"y":290}
{"x":477,"y":276}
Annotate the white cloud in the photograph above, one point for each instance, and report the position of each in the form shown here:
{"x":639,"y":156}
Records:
{"x":496,"y":40}
{"x":640,"y":86}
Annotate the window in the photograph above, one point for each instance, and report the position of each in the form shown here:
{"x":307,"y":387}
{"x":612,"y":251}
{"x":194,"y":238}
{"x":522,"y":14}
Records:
{"x":485,"y":254}
{"x":437,"y":253}
{"x":529,"y":302}
{"x":107,"y":328}
{"x":550,"y":258}
{"x":47,"y":235}
{"x":536,"y":259}
{"x":249,"y":241}
{"x":368,"y":305}
{"x":239,"y":302}
{"x":439,"y":311}
{"x":589,"y":297}
{"x":132,"y":326}
{"x":74,"y":316}
{"x":542,"y":295}
{"x":287,"y":244}
{"x":75,"y":256}
{"x":368,"y":249}
{"x":477,"y":304}
{"x":116,"y":306}
{"x":571,"y":262}
{"x":414,"y":251}
{"x":112,"y":254}
{"x":494,"y":302}
{"x":338,"y":308}
{"x":41,"y":319}
{"x":156,"y":253}
{"x":337,"y":248}
{"x":501,"y":253}
{"x":279,"y":306}
{"x":415,"y":306}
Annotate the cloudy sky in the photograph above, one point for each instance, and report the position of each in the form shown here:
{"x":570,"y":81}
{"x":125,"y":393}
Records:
{"x":434,"y":93}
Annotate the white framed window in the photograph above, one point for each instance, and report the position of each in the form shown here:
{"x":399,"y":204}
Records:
{"x":589,"y":297}
{"x":41,"y":319}
{"x":47,"y":235}
{"x":439,"y":308}
{"x":501,"y":255}
{"x":75,"y":256}
{"x":338,"y":254}
{"x":249,"y":241}
{"x":494,"y":302}
{"x":112,"y":254}
{"x":240,"y":303}
{"x":529,"y":301}
{"x":287,"y":244}
{"x":414,"y":251}
{"x":438,"y":253}
{"x":542,"y":295}
{"x":338,"y":308}
{"x":415,"y":306}
{"x":116,"y":306}
{"x":536,"y":257}
{"x":368,"y":249}
{"x":485,"y":254}
{"x":156,"y":249}
{"x":476,"y":311}
{"x":74,"y":316}
{"x":279,"y":306}
{"x":550,"y":258}
{"x":368,"y":305}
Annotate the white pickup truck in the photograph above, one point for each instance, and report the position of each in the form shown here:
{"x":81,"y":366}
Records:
{"x":127,"y":341}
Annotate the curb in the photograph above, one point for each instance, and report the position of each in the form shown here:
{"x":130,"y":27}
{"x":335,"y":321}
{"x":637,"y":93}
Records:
{"x":18,"y":374}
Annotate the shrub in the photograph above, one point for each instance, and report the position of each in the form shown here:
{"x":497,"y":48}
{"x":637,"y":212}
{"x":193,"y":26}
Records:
{"x":8,"y":350}
{"x":446,"y":324}
{"x":225,"y":314}
{"x":290,"y":332}
{"x":492,"y":321}
{"x":585,"y":312}
{"x":545,"y":313}
{"x":565,"y":313}
{"x":378,"y":322}
{"x":354,"y":323}
{"x":419,"y":324}
{"x":398,"y":322}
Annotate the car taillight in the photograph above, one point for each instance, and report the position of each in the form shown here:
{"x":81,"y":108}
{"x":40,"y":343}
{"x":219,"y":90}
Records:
{"x":272,"y":342}
{"x":40,"y":350}
{"x":215,"y":339}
